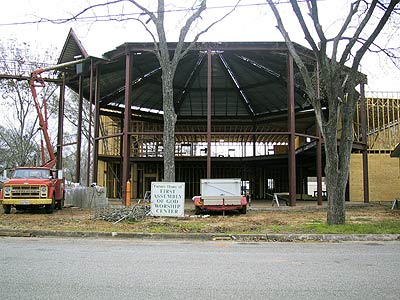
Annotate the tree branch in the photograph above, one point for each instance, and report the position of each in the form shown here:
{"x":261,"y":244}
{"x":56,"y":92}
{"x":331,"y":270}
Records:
{"x":303,"y":25}
{"x":293,"y":52}
{"x":154,"y":19}
{"x":185,"y":29}
{"x":353,"y":9}
{"x":196,"y":38}
{"x":317,"y":24}
{"x":75,"y":16}
{"x":357,"y":33}
{"x":360,"y":53}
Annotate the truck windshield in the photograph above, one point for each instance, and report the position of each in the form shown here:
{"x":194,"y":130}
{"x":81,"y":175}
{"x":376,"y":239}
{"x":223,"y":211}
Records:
{"x":31,"y":173}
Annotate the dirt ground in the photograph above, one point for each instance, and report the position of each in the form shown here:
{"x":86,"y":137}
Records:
{"x":284,"y":219}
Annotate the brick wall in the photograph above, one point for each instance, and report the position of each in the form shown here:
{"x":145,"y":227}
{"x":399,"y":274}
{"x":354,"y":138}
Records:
{"x":384,"y":177}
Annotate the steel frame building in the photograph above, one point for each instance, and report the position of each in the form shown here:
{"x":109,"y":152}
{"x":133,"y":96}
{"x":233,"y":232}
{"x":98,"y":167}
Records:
{"x":242,"y":96}
{"x":242,"y":112}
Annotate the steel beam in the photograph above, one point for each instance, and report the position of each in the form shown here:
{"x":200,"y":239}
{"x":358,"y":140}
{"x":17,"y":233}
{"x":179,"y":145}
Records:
{"x":291,"y":129}
{"x":185,"y":90}
{"x":363,"y":116}
{"x":209,"y":82}
{"x":22,"y":77}
{"x":61,"y":106}
{"x":214,"y":133}
{"x":96,"y":123}
{"x":90,"y":123}
{"x":127,"y":122}
{"x":79,"y":133}
{"x":236,"y":84}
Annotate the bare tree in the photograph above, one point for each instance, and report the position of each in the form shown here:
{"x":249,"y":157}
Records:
{"x":71,"y":114}
{"x":20,"y":132}
{"x":169,"y":64}
{"x":338,"y":82}
{"x":154,"y":24}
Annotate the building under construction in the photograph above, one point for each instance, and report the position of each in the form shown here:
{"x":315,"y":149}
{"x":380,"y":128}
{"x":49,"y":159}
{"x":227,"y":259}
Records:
{"x":241,"y":113}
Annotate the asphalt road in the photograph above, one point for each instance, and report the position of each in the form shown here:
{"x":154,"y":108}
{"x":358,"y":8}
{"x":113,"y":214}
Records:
{"x":52,"y":268}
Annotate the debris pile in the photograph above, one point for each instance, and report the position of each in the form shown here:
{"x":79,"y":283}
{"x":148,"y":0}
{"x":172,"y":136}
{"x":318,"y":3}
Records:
{"x":116,"y":215}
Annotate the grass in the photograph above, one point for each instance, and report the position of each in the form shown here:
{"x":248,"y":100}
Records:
{"x":366,"y":220}
{"x":316,"y":227}
{"x":384,"y":227}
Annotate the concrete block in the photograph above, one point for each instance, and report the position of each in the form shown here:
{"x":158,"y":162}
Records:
{"x":87,"y":197}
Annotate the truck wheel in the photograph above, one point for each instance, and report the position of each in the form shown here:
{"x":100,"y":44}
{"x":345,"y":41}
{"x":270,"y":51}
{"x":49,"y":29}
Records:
{"x":50,"y":207}
{"x":7,"y":209}
{"x":243,"y":210}
{"x":60,"y":204}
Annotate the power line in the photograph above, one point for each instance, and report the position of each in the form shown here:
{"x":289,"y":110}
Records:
{"x":124,"y":17}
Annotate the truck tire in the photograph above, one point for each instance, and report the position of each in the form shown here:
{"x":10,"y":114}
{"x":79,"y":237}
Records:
{"x":7,"y":209}
{"x":60,"y":204}
{"x":243,"y":210}
{"x":49,"y":208}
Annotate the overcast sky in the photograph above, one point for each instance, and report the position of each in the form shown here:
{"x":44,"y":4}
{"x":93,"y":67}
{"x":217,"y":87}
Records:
{"x":251,"y":22}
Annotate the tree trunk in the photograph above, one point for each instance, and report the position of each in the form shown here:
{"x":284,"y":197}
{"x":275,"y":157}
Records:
{"x":169,"y":126}
{"x":335,"y":181}
{"x":338,"y":156}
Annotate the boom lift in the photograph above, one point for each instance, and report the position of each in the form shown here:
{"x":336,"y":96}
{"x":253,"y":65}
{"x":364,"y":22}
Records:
{"x":37,"y":186}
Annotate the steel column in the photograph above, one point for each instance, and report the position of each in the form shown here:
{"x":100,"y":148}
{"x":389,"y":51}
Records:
{"x":291,"y":129}
{"x":209,"y":82}
{"x":79,"y":133}
{"x":363,"y":116}
{"x":127,"y":122}
{"x":121,"y":147}
{"x":96,"y":123}
{"x":89,"y":125}
{"x":60,"y":140}
{"x":254,"y":141}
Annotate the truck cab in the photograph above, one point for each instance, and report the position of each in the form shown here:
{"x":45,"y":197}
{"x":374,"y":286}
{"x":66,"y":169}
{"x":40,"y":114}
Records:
{"x":33,"y":187}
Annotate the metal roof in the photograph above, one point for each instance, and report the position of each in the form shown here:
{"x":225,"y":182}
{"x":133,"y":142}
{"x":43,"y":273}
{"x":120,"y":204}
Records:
{"x":249,"y":79}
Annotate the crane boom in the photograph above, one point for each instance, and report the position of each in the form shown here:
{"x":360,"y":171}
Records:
{"x":36,"y":81}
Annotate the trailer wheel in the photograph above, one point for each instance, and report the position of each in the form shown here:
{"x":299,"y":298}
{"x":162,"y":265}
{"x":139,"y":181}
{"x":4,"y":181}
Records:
{"x":243,"y":210}
{"x":197,"y":210}
{"x":7,"y":209}
{"x":49,"y":208}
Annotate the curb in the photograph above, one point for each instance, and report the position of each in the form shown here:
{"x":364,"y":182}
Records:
{"x":205,"y":236}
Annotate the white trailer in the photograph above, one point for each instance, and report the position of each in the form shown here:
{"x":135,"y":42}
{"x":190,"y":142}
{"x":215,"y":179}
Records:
{"x":220,"y":195}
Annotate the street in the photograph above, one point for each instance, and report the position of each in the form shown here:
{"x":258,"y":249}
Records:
{"x":57,"y":268}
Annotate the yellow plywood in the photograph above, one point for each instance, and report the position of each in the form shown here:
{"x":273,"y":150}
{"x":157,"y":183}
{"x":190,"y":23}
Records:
{"x":101,"y":173}
{"x":384,"y":177}
{"x":281,"y":149}
{"x":111,"y":145}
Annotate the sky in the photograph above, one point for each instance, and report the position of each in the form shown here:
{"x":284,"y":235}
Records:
{"x":253,"y":21}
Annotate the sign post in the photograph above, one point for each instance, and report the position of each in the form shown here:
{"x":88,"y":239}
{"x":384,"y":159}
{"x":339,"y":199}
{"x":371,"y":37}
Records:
{"x":168,"y":199}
